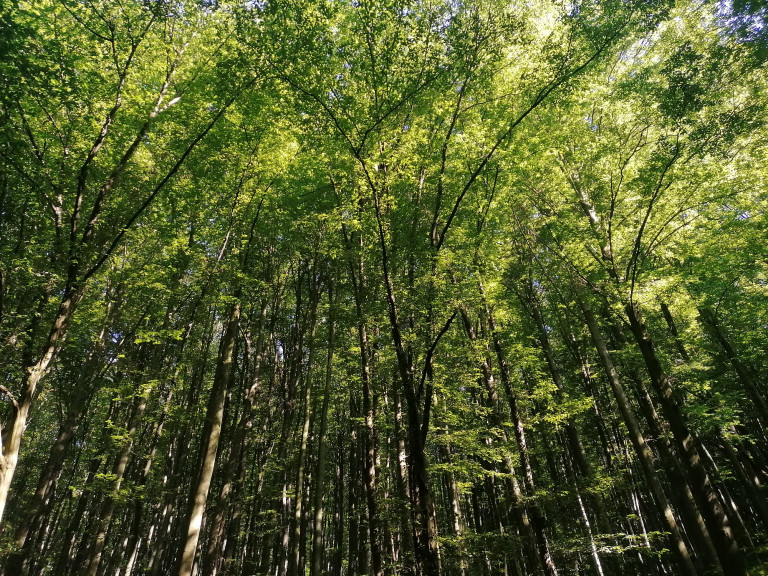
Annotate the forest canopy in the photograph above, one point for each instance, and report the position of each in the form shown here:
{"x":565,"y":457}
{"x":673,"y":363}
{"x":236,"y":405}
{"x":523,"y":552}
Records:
{"x":383,"y":287}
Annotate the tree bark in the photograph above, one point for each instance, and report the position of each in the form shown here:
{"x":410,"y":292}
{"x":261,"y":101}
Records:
{"x":693,"y":521}
{"x":669,"y":319}
{"x":33,"y":374}
{"x":642,"y":450}
{"x":538,"y":520}
{"x":316,"y":562}
{"x":719,"y":525}
{"x":210,"y":440}
{"x":118,"y":470}
{"x":298,"y":508}
{"x":520,"y":508}
{"x":709,"y":320}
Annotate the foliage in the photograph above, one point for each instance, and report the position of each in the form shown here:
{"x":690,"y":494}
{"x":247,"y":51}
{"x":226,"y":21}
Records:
{"x":344,"y":255}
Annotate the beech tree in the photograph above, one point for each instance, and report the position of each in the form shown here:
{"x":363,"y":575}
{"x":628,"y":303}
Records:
{"x":382,"y":287}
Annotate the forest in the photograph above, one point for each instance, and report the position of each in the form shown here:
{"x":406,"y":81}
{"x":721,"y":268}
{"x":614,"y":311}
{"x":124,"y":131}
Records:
{"x":383,"y":287}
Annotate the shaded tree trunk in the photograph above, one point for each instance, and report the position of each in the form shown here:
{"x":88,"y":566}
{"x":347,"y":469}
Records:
{"x":14,"y":431}
{"x":712,"y":326}
{"x":642,"y":450}
{"x":719,"y":525}
{"x":318,"y":540}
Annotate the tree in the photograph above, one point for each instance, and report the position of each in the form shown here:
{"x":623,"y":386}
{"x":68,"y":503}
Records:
{"x":382,"y":287}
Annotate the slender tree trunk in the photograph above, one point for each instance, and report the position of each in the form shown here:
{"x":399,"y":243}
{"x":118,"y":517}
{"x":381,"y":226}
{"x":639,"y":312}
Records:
{"x":211,"y":549}
{"x":34,"y":517}
{"x":63,"y":562}
{"x":374,"y":536}
{"x":355,"y":496}
{"x":752,"y":486}
{"x":166,"y":539}
{"x":640,"y":445}
{"x":709,"y":320}
{"x":298,"y":509}
{"x":520,"y":508}
{"x":681,"y":491}
{"x":108,"y":506}
{"x":572,"y":432}
{"x":401,"y":473}
{"x":670,"y":320}
{"x":291,"y":379}
{"x":719,"y":525}
{"x":235,"y":472}
{"x":139,"y":508}
{"x":424,"y":526}
{"x":569,"y":469}
{"x":316,"y":563}
{"x":538,"y":520}
{"x":422,"y":507}
{"x":341,"y":509}
{"x":457,"y":517}
{"x":210,"y":440}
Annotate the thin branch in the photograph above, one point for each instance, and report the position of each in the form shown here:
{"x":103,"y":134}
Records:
{"x":10,"y":396}
{"x":540,"y":97}
{"x":82,"y":176}
{"x":431,"y":351}
{"x":118,"y":238}
{"x":637,"y":246}
{"x":433,"y":238}
{"x":83,"y":24}
{"x":427,"y":364}
{"x":127,"y":155}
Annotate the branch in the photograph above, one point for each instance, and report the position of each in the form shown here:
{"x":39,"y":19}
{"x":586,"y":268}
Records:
{"x":431,"y":351}
{"x":540,"y":97}
{"x":126,"y":158}
{"x":637,"y":247}
{"x":428,"y":395}
{"x":10,"y":396}
{"x":82,"y":176}
{"x":116,"y":241}
{"x":324,"y":106}
{"x":83,"y":24}
{"x":443,"y":159}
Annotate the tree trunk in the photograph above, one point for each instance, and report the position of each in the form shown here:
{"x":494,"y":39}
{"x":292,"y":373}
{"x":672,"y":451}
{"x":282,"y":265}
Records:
{"x":210,"y":440}
{"x":669,"y":319}
{"x":520,"y":508}
{"x":681,"y":491}
{"x":538,"y":520}
{"x":34,"y":516}
{"x":754,"y":490}
{"x":298,"y":519}
{"x":33,"y":374}
{"x":342,"y":481}
{"x":108,"y":506}
{"x":374,"y":537}
{"x":572,"y":433}
{"x":639,"y":443}
{"x":719,"y":525}
{"x":459,"y":528}
{"x":316,"y":563}
{"x":401,"y":473}
{"x":422,"y":512}
{"x":709,"y":320}
{"x":354,"y":491}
